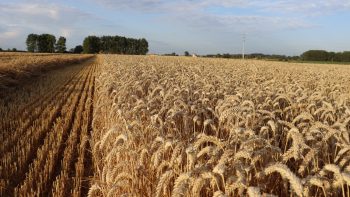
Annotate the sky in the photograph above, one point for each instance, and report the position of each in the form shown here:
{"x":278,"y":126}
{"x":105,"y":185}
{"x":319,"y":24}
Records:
{"x":287,"y":27}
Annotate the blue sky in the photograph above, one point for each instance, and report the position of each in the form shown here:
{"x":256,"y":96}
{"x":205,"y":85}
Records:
{"x":199,"y":26}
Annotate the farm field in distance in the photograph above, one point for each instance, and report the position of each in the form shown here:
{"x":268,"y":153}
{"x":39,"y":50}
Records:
{"x":15,"y":67}
{"x":120,"y":125}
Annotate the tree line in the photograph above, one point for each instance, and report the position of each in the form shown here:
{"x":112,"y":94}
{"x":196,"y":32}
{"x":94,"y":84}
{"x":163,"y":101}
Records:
{"x":45,"y":43}
{"x":325,"y":56}
{"x":115,"y":45}
{"x":258,"y":56}
{"x":10,"y":50}
{"x":311,"y":55}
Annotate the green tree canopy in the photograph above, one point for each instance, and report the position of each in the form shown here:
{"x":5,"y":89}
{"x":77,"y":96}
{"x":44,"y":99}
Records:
{"x":346,"y":56}
{"x":315,"y":55}
{"x":46,"y":43}
{"x":61,"y":45}
{"x":32,"y":42}
{"x":321,"y":55}
{"x":115,"y":45}
{"x":91,"y":44}
{"x":143,"y":46}
{"x":187,"y":53}
{"x":78,"y":49}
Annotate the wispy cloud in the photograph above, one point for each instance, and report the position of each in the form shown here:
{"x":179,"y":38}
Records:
{"x":282,"y":5}
{"x":27,"y":13}
{"x":9,"y":34}
{"x":193,"y":13}
{"x":309,"y":7}
{"x":144,"y":5}
{"x":19,"y":19}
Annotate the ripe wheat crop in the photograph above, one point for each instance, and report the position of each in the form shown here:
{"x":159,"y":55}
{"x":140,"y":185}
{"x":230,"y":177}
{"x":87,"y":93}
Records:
{"x":173,"y":126}
{"x":45,"y":128}
{"x":147,"y":126}
{"x":14,"y":67}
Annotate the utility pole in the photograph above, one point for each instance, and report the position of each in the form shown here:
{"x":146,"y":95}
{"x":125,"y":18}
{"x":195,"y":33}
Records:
{"x":243,"y":46}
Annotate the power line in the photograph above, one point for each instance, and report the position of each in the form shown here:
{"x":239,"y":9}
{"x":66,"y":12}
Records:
{"x":243,"y":46}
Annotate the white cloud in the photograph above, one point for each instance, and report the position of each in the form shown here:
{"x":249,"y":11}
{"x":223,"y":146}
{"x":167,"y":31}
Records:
{"x":144,"y":5}
{"x":280,"y":6}
{"x":25,"y":12}
{"x":9,"y":34}
{"x":66,"y":32}
{"x":17,"y":20}
{"x":270,"y":15}
{"x":243,"y":23}
{"x":285,"y":6}
{"x":31,"y":10}
{"x":309,"y":7}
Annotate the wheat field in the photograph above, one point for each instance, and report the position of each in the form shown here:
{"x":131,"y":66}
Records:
{"x":45,"y":126}
{"x":118,"y":125}
{"x":172,"y":126}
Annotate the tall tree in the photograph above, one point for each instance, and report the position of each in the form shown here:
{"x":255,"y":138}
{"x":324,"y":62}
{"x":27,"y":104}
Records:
{"x":144,"y":46}
{"x":51,"y":41}
{"x":91,"y":44}
{"x":32,"y":42}
{"x":123,"y":45}
{"x":42,"y":43}
{"x":46,"y":43}
{"x":115,"y":47}
{"x":61,"y":45}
